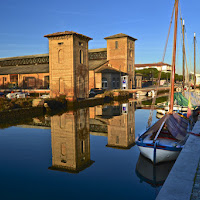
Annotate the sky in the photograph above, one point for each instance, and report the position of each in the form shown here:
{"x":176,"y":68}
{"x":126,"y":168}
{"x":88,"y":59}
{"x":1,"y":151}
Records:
{"x":25,"y":22}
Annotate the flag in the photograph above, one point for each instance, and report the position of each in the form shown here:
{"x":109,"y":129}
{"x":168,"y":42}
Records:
{"x":189,"y":112}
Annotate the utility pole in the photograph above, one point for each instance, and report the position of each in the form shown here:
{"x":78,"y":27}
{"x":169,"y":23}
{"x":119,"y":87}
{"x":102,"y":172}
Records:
{"x":194,"y":60}
{"x":183,"y":55}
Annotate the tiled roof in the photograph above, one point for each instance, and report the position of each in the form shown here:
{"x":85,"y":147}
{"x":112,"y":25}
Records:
{"x":25,"y":69}
{"x":159,"y":64}
{"x":119,"y":35}
{"x":93,"y":64}
{"x":22,"y":57}
{"x":66,"y":33}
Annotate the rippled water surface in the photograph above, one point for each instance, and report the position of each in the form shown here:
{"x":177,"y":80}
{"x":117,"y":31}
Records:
{"x":85,"y":154}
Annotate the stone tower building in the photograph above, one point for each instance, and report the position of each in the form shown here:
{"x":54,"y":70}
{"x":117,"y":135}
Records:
{"x":121,"y":54}
{"x":68,"y":64}
{"x":70,"y":141}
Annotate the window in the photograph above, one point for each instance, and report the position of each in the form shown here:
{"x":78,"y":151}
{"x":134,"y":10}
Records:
{"x":132,"y":68}
{"x":60,"y":43}
{"x":118,"y":83}
{"x":116,"y":44}
{"x":104,"y":83}
{"x":117,"y":139}
{"x":80,"y":44}
{"x":60,"y":56}
{"x":130,"y":53}
{"x":81,"y":57}
{"x":129,"y":68}
{"x":83,"y":146}
{"x":63,"y":149}
{"x":113,"y":83}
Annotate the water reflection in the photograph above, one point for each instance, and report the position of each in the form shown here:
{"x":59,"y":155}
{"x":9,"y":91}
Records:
{"x":155,"y":175}
{"x":117,"y":122}
{"x":70,"y":134}
{"x":70,"y":141}
{"x":121,"y":128}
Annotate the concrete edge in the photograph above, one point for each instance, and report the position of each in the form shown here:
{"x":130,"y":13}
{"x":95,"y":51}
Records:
{"x":179,"y":183}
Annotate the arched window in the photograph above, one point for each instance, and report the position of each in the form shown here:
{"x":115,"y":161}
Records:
{"x":104,"y":83}
{"x":60,"y":56}
{"x":81,"y":57}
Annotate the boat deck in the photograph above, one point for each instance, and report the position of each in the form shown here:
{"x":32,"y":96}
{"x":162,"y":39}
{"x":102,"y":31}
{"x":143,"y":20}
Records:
{"x":183,"y":181}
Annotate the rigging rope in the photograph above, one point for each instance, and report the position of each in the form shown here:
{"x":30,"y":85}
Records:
{"x":159,"y":75}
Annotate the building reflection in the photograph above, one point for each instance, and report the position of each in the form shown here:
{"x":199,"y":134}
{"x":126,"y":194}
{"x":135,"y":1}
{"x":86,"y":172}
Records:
{"x":155,"y":175}
{"x":121,"y":127}
{"x":117,"y":122}
{"x":70,"y":141}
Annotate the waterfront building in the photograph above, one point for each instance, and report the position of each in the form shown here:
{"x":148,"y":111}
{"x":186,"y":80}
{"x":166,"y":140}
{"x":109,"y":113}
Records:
{"x":69,"y":66}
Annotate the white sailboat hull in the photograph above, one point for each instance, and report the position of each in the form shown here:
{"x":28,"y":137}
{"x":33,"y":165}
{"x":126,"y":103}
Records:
{"x":161,"y":154}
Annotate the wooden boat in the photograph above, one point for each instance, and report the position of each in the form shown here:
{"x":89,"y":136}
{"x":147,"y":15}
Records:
{"x":166,"y":138}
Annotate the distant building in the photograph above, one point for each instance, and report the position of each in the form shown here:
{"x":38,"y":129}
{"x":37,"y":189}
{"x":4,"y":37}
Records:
{"x":191,"y":77}
{"x":160,"y":66}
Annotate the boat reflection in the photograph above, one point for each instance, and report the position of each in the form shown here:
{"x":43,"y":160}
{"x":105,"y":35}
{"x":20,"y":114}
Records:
{"x":70,"y":141}
{"x":155,"y":175}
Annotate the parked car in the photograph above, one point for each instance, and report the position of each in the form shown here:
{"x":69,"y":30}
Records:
{"x":2,"y":94}
{"x":17,"y":95}
{"x":95,"y":91}
{"x":45,"y":96}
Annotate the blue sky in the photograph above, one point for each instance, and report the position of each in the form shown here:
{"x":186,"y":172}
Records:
{"x":25,"y":22}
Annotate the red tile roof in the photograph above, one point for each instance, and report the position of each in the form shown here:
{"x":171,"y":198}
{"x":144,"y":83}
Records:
{"x":119,"y":35}
{"x":66,"y":33}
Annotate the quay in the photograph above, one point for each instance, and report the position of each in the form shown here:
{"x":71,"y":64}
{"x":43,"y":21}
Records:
{"x":183,"y":181}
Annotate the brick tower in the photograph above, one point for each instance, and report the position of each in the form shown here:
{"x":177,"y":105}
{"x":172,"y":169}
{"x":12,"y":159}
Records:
{"x":68,"y":64}
{"x":121,"y":54}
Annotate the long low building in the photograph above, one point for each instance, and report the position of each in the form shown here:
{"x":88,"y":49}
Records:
{"x":160,"y":66}
{"x":109,"y":68}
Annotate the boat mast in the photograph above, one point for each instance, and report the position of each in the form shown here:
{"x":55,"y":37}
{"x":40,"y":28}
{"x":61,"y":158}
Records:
{"x":194,"y":60}
{"x":183,"y":55}
{"x":174,"y":58}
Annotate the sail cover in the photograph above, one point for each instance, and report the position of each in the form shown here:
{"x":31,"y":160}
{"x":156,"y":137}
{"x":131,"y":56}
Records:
{"x":177,"y":126}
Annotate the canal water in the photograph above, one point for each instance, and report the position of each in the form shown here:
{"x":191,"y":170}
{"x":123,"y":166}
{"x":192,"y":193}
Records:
{"x":83,"y":154}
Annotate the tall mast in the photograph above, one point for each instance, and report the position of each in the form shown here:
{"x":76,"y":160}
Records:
{"x":183,"y":54}
{"x":194,"y":60}
{"x":174,"y":58}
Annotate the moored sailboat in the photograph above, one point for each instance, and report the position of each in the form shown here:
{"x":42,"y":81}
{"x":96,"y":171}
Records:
{"x":165,"y":139}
